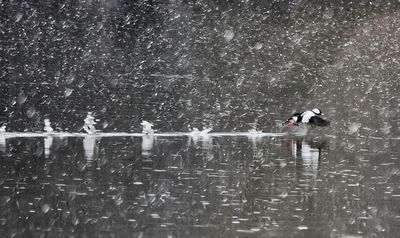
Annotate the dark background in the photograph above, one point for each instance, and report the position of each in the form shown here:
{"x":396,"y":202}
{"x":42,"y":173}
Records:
{"x":230,"y":65}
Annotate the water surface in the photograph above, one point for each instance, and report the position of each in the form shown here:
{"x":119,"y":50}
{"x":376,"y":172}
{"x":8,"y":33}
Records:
{"x":231,"y":66}
{"x":314,"y":186}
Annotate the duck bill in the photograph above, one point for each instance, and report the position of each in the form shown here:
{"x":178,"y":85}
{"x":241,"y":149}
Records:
{"x":289,"y":122}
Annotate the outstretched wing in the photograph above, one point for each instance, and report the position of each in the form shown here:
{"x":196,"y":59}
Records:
{"x":318,"y":121}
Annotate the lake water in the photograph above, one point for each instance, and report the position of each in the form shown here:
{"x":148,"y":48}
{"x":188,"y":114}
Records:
{"x":232,"y":66}
{"x":213,"y":186}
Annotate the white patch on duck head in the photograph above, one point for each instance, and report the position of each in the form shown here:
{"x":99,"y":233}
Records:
{"x":316,"y":111}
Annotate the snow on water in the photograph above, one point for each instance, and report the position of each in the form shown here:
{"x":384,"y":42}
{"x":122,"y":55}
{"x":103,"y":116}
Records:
{"x":228,"y":35}
{"x":201,"y":64}
{"x":288,"y":175}
{"x":149,"y":70}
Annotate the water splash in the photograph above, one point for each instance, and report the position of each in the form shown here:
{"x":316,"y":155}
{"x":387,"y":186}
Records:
{"x":147,"y":127}
{"x":89,"y":123}
{"x":254,"y":133}
{"x":254,"y":136}
{"x":354,"y":127}
{"x":47,"y":126}
{"x":197,"y":135}
{"x":229,"y":35}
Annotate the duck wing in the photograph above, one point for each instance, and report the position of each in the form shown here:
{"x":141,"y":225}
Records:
{"x":318,"y":121}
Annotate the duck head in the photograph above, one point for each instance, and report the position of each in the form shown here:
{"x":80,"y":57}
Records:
{"x":292,"y":120}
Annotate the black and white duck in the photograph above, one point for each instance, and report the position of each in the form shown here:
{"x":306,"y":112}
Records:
{"x":300,"y":122}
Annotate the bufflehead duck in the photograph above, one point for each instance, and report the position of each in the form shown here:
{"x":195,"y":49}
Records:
{"x":307,"y":118}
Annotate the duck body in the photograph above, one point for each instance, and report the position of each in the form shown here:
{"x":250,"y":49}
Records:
{"x":307,"y":118}
{"x":313,"y":118}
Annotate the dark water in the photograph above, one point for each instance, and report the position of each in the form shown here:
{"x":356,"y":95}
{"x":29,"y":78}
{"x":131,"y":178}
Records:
{"x":314,"y":186}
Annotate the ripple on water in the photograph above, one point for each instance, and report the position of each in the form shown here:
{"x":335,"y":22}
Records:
{"x":243,"y":188}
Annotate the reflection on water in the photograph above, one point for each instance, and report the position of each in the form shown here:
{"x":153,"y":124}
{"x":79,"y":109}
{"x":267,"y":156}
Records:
{"x":48,"y":142}
{"x":147,"y":144}
{"x":307,"y":153}
{"x":3,"y":142}
{"x":89,"y":146}
{"x":199,"y":186}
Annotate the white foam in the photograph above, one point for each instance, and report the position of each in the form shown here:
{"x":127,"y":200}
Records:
{"x":130,"y":134}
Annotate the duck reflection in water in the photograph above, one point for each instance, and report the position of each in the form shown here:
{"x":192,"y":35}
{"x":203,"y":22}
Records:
{"x":307,"y":152}
{"x":3,"y":139}
{"x":147,"y":144}
{"x":90,"y":148}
